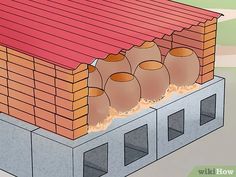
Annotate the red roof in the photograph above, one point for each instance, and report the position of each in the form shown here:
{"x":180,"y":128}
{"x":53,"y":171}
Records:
{"x":68,"y":33}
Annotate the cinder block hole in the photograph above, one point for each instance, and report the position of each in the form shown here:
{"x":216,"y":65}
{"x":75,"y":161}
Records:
{"x":95,"y":161}
{"x":208,"y":110}
{"x":136,"y":144}
{"x":175,"y":125}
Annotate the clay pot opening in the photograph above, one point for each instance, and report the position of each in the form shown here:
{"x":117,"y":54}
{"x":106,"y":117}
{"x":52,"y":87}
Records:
{"x":146,"y":45}
{"x":150,"y":65}
{"x":114,"y":58}
{"x":122,"y":77}
{"x":94,"y":92}
{"x":91,"y":68}
{"x":181,"y":52}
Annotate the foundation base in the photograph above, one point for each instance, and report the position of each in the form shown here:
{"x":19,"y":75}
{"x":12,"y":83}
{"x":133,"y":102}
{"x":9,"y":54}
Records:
{"x":126,"y":146}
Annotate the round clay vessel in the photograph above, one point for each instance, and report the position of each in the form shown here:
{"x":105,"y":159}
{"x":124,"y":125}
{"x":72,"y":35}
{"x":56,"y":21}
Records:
{"x":112,"y":64}
{"x":183,"y":66}
{"x":123,"y":90}
{"x":99,"y":104}
{"x":138,"y":54}
{"x":95,"y":78}
{"x":154,"y":79}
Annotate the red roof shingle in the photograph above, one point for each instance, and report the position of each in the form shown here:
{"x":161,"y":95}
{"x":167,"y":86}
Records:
{"x":70,"y":32}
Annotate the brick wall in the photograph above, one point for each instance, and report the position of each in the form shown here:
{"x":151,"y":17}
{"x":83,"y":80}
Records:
{"x":201,"y":39}
{"x":43,"y":94}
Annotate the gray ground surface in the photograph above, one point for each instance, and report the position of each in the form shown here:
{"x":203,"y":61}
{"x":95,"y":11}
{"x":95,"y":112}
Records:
{"x":217,"y":148}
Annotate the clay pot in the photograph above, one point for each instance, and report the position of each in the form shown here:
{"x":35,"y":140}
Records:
{"x":153,"y":77}
{"x":123,"y":90}
{"x":183,"y":66}
{"x":98,"y":106}
{"x":112,"y":64}
{"x":95,"y":78}
{"x":147,"y":51}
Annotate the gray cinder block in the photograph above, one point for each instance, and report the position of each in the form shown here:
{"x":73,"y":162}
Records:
{"x":15,"y":146}
{"x":100,"y":153}
{"x":203,"y":105}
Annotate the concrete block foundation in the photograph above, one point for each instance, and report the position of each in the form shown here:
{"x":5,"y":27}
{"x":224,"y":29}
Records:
{"x":186,"y":127}
{"x":16,"y":146}
{"x":126,"y":146}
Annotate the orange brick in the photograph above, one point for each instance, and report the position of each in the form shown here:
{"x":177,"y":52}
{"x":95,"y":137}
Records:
{"x":44,"y":69}
{"x":3,"y":64}
{"x":207,"y":60}
{"x":80,"y":68}
{"x":3,"y":72}
{"x":80,"y":103}
{"x":19,"y":54}
{"x":210,"y":28}
{"x":207,"y":68}
{"x":44,"y":78}
{"x":21,"y":61}
{"x":72,"y":134}
{"x":45,"y":87}
{"x":209,"y":22}
{"x":2,"y":48}
{"x":43,"y":114}
{"x":72,"y":96}
{"x":25,"y":107}
{"x":21,"y":87}
{"x":65,"y":70}
{"x":209,"y":51}
{"x":4,"y":108}
{"x":3,"y":90}
{"x":21,"y":115}
{"x":71,"y":124}
{"x":210,"y":35}
{"x":67,"y":86}
{"x":3,"y":55}
{"x":194,"y":43}
{"x":200,"y":53}
{"x":72,"y":114}
{"x":3,"y":81}
{"x":64,"y":94}
{"x":45,"y":124}
{"x":45,"y":63}
{"x":45,"y":96}
{"x":21,"y":96}
{"x":72,"y":78}
{"x":45,"y":105}
{"x":71,"y":105}
{"x":65,"y":76}
{"x":21,"y":70}
{"x":206,"y":77}
{"x":203,"y":30}
{"x":3,"y":99}
{"x":21,"y":79}
{"x":197,"y":36}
